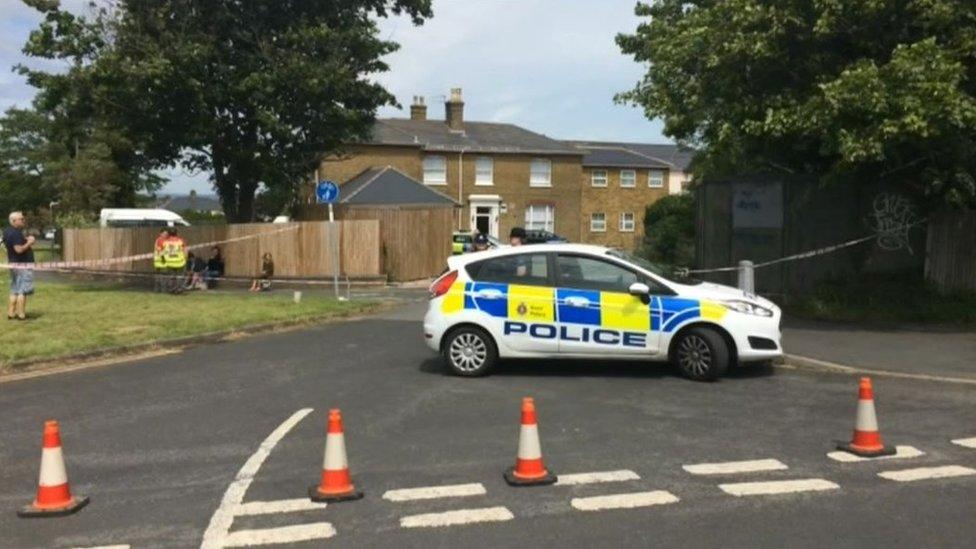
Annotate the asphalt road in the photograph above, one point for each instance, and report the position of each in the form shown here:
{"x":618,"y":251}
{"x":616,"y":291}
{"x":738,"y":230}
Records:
{"x":157,"y":445}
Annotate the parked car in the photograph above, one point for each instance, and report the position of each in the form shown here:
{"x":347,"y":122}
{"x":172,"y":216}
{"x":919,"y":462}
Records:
{"x":539,"y":236}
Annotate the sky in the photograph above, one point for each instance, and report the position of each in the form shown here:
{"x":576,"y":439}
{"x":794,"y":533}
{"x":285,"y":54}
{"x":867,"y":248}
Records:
{"x":551,"y":66}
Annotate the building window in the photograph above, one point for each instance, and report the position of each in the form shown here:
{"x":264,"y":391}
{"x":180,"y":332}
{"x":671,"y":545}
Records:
{"x":435,"y":170}
{"x":598,"y":178}
{"x":484,"y":171}
{"x":655,"y":179}
{"x":628,"y":178}
{"x":540,"y":217}
{"x":627,"y":222}
{"x":540,"y":173}
{"x":598,"y":222}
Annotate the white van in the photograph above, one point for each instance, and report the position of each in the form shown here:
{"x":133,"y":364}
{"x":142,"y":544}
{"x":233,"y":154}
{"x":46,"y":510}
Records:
{"x":140,"y":217}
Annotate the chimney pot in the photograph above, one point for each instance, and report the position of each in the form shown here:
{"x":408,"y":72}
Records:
{"x":418,"y":110}
{"x":454,"y":110}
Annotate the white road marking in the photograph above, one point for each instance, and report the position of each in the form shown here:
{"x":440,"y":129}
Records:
{"x":279,"y":506}
{"x":923,"y":473}
{"x":283,"y":534}
{"x":624,"y":501}
{"x":900,"y":453}
{"x":106,"y":547}
{"x":598,"y":476}
{"x":732,"y":467}
{"x":967,"y":442}
{"x":777,"y":487}
{"x":453,"y":518}
{"x":433,"y":492}
{"x":222,"y":519}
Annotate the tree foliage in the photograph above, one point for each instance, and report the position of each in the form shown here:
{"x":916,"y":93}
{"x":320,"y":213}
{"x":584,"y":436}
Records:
{"x":853,"y":90}
{"x":252,"y":92}
{"x":669,"y":230}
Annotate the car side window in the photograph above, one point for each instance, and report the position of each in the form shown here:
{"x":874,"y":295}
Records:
{"x":528,"y":269}
{"x":587,"y":273}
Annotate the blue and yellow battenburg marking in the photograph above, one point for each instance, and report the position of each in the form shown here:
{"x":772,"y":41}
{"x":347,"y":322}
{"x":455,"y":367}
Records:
{"x":611,"y":310}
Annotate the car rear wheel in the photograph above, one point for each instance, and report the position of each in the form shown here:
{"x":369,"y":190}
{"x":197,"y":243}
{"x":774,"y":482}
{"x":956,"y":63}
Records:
{"x":701,"y":354}
{"x":470,"y":351}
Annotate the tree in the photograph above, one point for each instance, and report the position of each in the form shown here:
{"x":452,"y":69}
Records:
{"x":253,"y":92}
{"x":851,"y":90}
{"x":669,"y":230}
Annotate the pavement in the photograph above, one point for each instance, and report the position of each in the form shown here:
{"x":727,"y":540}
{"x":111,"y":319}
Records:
{"x":906,"y":349}
{"x":217,"y":446}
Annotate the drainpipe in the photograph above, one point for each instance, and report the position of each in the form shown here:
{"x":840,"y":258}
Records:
{"x":460,"y":186}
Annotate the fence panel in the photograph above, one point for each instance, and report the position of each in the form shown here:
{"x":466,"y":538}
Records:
{"x":950,"y":261}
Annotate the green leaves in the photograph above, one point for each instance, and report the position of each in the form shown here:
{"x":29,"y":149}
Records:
{"x":852,"y":90}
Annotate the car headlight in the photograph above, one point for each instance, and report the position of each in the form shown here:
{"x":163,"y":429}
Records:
{"x":747,"y":307}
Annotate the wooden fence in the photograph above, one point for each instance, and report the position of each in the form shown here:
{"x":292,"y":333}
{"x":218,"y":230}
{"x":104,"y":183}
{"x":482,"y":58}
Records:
{"x":950,"y":259}
{"x":302,"y":252}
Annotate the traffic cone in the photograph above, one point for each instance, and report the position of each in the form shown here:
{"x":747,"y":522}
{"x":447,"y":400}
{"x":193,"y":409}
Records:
{"x":54,"y":497}
{"x":336,"y":484}
{"x":867,"y":437}
{"x":529,"y":469}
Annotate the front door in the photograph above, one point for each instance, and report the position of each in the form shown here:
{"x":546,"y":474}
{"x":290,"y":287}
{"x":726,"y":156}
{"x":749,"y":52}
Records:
{"x":482,"y":219}
{"x":596,"y":313}
{"x":484,"y":214}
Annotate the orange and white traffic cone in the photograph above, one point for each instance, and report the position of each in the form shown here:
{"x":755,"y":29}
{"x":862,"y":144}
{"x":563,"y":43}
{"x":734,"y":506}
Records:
{"x":54,"y":497}
{"x":529,"y":469}
{"x":336,"y":484}
{"x":867,"y":437}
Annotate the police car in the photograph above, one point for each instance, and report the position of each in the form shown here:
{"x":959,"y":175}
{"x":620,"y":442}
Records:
{"x":581,"y":301}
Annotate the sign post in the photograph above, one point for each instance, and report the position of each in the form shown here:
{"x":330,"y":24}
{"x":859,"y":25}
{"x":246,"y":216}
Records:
{"x":327,"y":192}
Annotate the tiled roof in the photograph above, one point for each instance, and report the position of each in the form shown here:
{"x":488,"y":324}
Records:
{"x":179,"y":203}
{"x":613,"y":157}
{"x":477,"y":136}
{"x":388,"y":186}
{"x":673,"y":156}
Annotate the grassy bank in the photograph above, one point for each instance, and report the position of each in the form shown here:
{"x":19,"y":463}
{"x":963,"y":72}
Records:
{"x":901,"y":299}
{"x":67,"y":318}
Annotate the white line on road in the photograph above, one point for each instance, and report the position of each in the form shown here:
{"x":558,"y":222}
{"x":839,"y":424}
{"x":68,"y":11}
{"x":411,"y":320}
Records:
{"x":967,"y":442}
{"x":453,"y":518}
{"x":433,"y":492}
{"x":223,"y":517}
{"x":105,"y":547}
{"x":279,"y":506}
{"x":283,"y":534}
{"x":924,"y":473}
{"x":598,"y":476}
{"x":777,"y":487}
{"x":732,"y":467}
{"x":624,"y":501}
{"x":901,"y":452}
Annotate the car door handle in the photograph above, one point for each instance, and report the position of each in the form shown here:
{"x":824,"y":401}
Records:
{"x":574,"y":301}
{"x":488,"y":294}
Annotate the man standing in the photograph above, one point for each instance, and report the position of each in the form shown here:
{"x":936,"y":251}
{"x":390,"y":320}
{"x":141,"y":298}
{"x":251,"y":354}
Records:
{"x":19,"y":250}
{"x":174,"y":255}
{"x":516,"y":237}
{"x":159,"y":262}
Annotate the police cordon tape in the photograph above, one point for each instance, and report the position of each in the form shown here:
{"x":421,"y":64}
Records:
{"x":85,"y":263}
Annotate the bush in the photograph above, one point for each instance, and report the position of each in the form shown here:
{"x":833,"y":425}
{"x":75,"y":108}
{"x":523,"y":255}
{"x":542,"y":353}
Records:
{"x":669,"y":230}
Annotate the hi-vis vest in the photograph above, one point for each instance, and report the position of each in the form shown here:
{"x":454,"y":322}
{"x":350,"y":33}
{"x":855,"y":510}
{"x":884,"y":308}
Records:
{"x":158,"y":261}
{"x":174,"y":253}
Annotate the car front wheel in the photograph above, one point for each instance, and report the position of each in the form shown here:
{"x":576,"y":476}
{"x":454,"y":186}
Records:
{"x":701,"y":354}
{"x":470,"y":351}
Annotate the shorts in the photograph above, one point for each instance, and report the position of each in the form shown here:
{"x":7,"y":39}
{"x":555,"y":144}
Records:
{"x":21,"y":281}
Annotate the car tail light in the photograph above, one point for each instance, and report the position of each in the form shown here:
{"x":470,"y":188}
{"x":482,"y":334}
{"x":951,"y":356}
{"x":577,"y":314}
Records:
{"x":440,"y":286}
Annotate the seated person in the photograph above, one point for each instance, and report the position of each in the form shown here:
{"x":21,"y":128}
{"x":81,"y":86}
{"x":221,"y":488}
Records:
{"x":267,"y":273}
{"x":215,"y":268}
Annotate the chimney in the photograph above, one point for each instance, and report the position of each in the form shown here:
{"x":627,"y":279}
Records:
{"x":454,"y":111}
{"x":418,"y":110}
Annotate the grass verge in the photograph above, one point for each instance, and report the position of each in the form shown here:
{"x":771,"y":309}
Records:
{"x":68,"y":319}
{"x":898,"y":298}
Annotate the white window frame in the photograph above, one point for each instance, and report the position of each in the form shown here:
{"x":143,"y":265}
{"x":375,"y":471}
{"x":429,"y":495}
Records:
{"x":480,"y":179}
{"x":633,"y":178}
{"x":650,"y":178}
{"x":595,"y":180}
{"x":429,"y":178}
{"x":548,"y":218}
{"x":533,"y":182}
{"x":594,"y":228}
{"x":633,"y":222}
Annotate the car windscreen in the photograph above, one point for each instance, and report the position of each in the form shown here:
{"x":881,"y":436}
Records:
{"x":664,"y":271}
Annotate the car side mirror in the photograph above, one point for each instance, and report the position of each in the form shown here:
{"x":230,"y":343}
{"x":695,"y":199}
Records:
{"x":639,"y":289}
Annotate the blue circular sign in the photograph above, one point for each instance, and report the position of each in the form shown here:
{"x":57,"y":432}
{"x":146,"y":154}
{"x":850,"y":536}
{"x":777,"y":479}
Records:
{"x":326,"y":192}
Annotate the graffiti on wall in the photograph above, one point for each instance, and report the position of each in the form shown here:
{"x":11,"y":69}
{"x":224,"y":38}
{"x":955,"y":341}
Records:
{"x":892,"y":219}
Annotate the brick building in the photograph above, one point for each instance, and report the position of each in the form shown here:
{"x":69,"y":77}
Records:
{"x":505,"y":176}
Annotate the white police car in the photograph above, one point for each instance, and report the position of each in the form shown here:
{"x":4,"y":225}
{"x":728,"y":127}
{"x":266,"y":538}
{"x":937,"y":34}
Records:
{"x":580,"y":301}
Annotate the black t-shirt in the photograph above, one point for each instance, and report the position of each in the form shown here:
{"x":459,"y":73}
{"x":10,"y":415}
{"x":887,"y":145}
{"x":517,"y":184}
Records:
{"x":15,"y":237}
